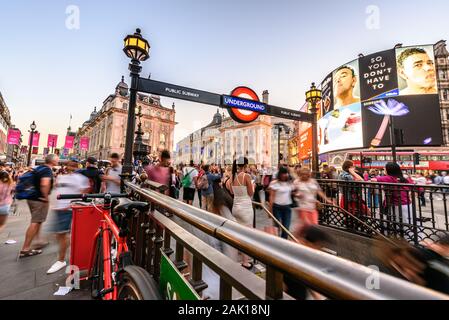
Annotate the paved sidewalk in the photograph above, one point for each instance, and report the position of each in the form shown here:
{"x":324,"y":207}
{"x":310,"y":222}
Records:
{"x":26,"y":278}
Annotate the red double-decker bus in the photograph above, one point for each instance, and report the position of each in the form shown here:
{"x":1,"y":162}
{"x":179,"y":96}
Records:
{"x":436,"y":161}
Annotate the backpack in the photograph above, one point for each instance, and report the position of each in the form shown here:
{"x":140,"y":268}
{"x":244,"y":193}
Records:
{"x":187,"y":180}
{"x":26,"y":188}
{"x":203,"y":183}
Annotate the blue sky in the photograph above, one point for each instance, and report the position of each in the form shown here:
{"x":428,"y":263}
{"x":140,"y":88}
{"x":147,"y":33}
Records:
{"x":48,"y":72}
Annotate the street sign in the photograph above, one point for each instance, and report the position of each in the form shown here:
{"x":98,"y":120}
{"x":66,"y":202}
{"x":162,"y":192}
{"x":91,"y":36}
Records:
{"x":289,"y":114}
{"x":244,"y":110}
{"x":14,"y":136}
{"x":178,"y":92}
{"x":172,"y":283}
{"x":243,"y":103}
{"x":235,"y":102}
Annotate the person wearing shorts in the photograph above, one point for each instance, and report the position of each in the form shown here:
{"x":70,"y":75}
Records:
{"x":307,"y":191}
{"x":189,"y":191}
{"x":39,"y":204}
{"x":6,"y":187}
{"x":70,"y":183}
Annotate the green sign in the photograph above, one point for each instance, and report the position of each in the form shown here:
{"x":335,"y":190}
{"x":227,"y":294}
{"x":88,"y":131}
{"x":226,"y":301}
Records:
{"x":172,"y":283}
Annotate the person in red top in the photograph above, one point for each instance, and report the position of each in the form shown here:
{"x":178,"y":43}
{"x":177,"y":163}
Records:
{"x":160,"y":173}
{"x":396,"y":198}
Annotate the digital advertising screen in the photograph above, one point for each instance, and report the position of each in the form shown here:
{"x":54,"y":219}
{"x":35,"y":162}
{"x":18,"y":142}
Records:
{"x":395,"y":89}
{"x":341,"y":128}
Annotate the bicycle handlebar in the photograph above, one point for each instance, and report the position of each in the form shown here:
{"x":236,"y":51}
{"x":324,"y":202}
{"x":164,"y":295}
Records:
{"x":90,"y":196}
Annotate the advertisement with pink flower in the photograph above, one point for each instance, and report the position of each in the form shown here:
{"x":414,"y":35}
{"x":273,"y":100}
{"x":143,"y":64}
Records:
{"x":417,"y":116}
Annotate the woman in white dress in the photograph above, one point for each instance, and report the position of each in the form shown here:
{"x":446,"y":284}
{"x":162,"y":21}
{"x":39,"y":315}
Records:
{"x":241,"y":186}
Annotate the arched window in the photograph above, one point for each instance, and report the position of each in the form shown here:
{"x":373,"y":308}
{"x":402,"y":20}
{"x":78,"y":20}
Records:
{"x":125,"y":105}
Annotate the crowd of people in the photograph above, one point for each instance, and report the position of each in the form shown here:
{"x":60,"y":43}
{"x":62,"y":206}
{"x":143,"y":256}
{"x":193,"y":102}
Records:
{"x":231,"y":191}
{"x":35,"y":185}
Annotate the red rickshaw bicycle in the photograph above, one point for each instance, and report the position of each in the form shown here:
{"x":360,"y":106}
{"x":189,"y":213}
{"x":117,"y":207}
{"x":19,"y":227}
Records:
{"x":112,"y":273}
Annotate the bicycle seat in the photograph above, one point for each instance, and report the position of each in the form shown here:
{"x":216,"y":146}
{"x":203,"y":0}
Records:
{"x":127,"y":206}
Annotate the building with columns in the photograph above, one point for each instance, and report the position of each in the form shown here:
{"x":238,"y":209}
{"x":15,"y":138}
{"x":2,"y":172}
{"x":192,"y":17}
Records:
{"x":106,"y":128}
{"x":442,"y":66}
{"x":224,"y":140}
{"x":5,"y":124}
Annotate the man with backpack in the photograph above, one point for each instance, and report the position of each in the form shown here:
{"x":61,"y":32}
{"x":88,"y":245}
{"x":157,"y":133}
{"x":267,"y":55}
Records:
{"x":93,"y":174}
{"x":189,"y":178}
{"x":35,"y":187}
{"x":205,"y":184}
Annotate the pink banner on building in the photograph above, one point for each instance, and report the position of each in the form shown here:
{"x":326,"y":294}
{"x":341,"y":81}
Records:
{"x":52,"y":140}
{"x":36,"y":137}
{"x":84,"y":143}
{"x":14,"y":136}
{"x":69,"y":140}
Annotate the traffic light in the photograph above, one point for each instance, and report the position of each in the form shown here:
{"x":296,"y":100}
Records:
{"x":416,"y":158}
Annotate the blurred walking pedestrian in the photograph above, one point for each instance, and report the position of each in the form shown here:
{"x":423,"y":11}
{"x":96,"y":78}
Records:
{"x":242,"y":188}
{"x":189,"y":177}
{"x":6,"y":189}
{"x":160,"y":173}
{"x":68,"y":183}
{"x":281,"y":191}
{"x":307,"y":190}
{"x":39,"y":205}
{"x":93,"y":174}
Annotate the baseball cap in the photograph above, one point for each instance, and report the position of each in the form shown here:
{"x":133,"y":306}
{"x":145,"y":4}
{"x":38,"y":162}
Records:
{"x":92,"y":160}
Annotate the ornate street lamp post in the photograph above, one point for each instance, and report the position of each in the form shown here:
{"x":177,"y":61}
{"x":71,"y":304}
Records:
{"x":313,"y":96}
{"x":33,"y":128}
{"x":137,"y":49}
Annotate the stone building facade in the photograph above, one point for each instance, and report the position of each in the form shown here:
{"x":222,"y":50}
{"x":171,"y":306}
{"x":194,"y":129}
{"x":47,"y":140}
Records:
{"x":224,"y":140}
{"x":442,"y":65}
{"x":106,"y":128}
{"x":5,"y":124}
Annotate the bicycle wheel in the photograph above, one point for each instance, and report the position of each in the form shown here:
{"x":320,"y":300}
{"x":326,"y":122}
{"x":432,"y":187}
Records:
{"x":136,"y":284}
{"x":97,"y":279}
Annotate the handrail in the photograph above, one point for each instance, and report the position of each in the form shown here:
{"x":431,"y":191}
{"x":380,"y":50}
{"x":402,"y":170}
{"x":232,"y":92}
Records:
{"x":270,"y":214}
{"x":332,"y":276}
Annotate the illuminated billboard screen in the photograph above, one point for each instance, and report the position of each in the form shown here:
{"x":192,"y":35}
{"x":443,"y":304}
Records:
{"x":341,"y":127}
{"x":392,"y":89}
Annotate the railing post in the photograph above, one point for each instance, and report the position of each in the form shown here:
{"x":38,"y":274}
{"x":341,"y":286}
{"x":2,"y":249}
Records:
{"x":225,"y":290}
{"x":179,"y":257}
{"x":149,"y":252}
{"x":197,"y":275}
{"x":139,"y":236}
{"x":158,"y":241}
{"x":415,"y":223}
{"x":167,"y":245}
{"x":274,"y":284}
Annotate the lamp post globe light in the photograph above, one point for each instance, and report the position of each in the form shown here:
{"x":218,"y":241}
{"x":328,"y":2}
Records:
{"x":137,"y":49}
{"x":30,"y":146}
{"x":313,"y":97}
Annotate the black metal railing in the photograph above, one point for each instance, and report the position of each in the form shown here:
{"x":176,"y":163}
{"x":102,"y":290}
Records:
{"x":334,"y":277}
{"x":413,"y":212}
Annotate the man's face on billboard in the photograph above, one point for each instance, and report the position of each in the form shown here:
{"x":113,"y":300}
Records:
{"x":419,"y":71}
{"x":344,"y":81}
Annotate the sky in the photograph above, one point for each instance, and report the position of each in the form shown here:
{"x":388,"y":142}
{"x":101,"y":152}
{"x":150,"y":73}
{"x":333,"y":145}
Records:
{"x":52,"y":67}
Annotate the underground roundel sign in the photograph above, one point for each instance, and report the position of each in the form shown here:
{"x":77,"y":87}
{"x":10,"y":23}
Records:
{"x":243,"y":105}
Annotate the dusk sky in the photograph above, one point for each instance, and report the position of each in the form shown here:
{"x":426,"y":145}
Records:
{"x":48,"y":71}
